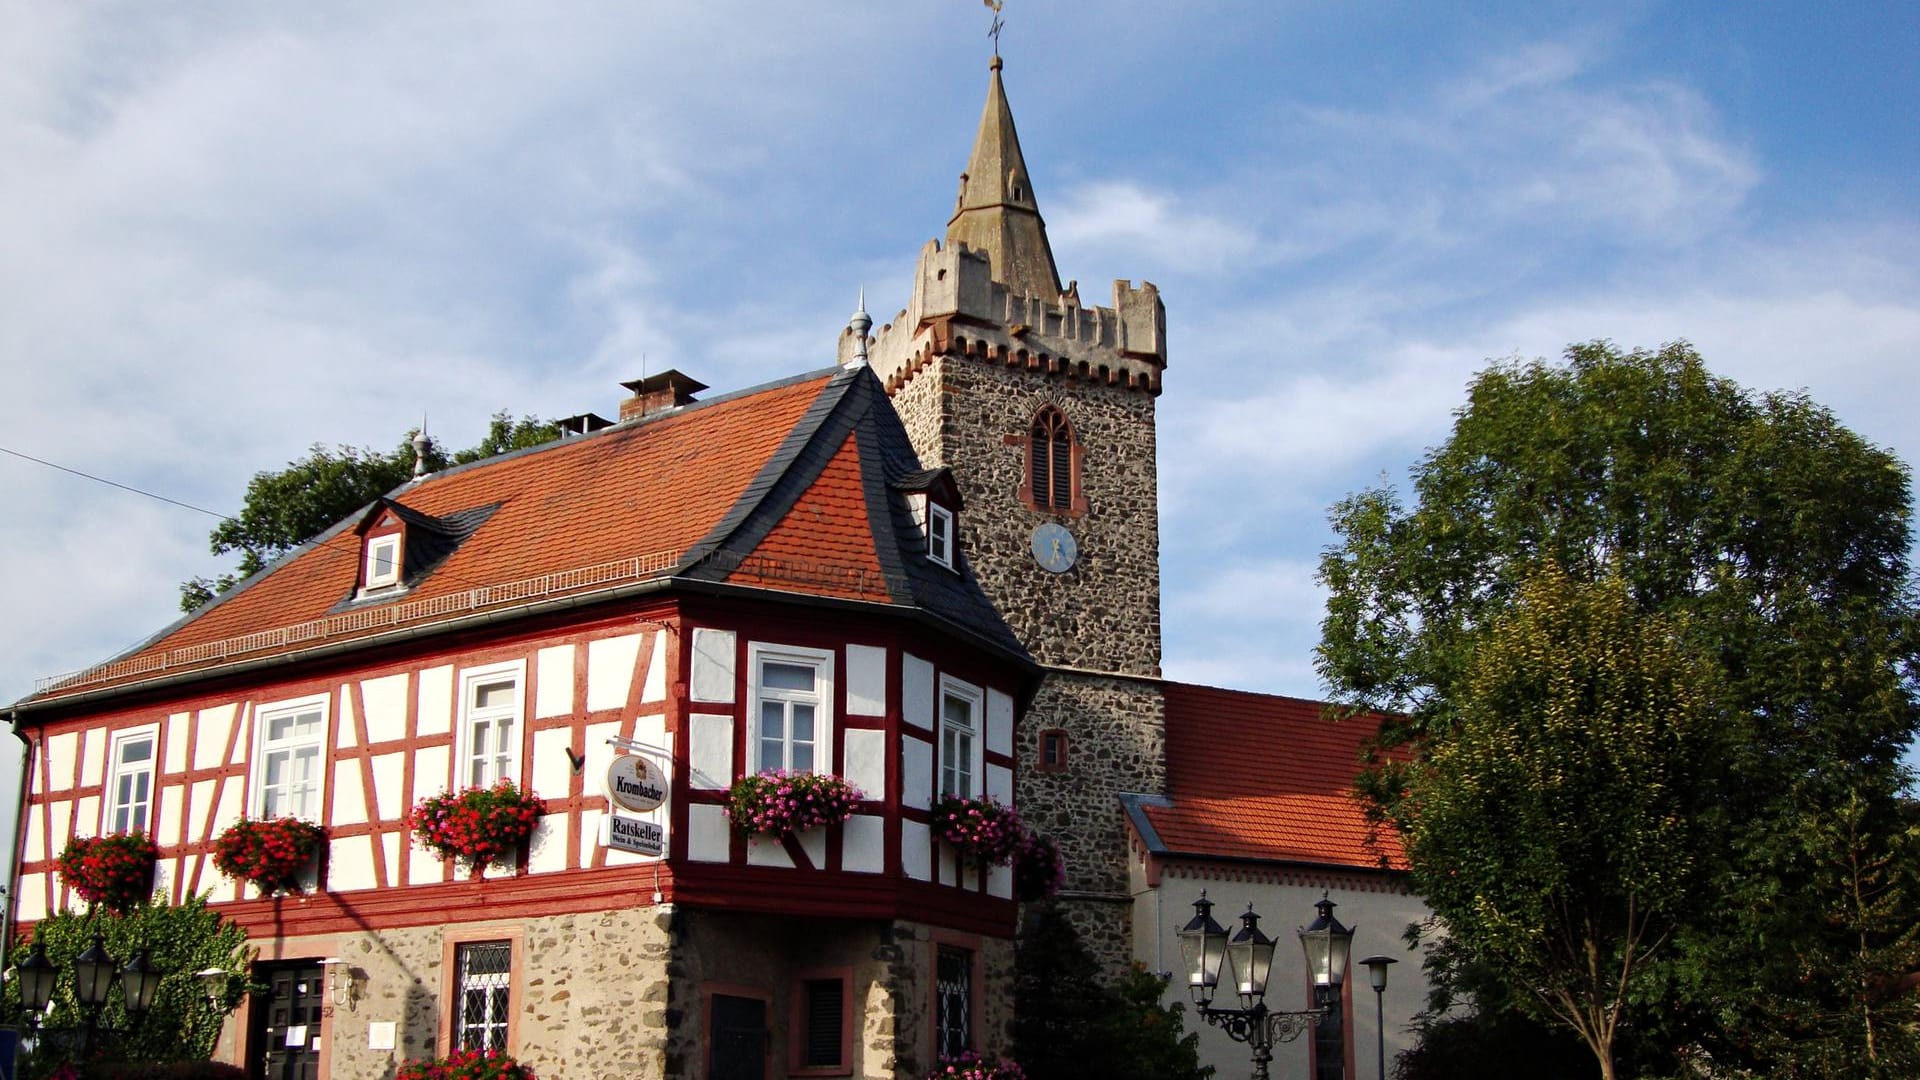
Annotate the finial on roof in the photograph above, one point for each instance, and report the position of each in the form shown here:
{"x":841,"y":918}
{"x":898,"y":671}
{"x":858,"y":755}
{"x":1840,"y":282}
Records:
{"x":857,"y":327}
{"x":994,"y":30}
{"x":420,"y":444}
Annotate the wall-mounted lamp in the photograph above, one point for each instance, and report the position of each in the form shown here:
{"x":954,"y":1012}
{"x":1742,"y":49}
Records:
{"x":343,"y":982}
{"x":213,"y":983}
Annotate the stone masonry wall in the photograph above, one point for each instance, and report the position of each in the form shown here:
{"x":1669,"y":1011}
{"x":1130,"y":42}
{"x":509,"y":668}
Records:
{"x":593,"y":996}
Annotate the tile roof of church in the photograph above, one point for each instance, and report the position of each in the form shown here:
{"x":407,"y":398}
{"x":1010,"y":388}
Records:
{"x":794,"y":487}
{"x":1261,"y":777}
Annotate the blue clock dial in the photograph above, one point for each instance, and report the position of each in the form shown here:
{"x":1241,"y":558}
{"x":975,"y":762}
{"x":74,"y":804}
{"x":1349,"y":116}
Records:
{"x":1054,"y":547}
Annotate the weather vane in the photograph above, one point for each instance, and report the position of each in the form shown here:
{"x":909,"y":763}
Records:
{"x":994,"y":30}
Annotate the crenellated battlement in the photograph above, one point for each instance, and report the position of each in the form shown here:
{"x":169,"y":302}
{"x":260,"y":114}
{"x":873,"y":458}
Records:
{"x":958,"y":309}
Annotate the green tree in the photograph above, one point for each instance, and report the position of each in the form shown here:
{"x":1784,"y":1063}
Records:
{"x":1068,"y":1024}
{"x":1778,"y":536}
{"x":1570,"y":815}
{"x":285,"y":508}
{"x":182,"y":1024}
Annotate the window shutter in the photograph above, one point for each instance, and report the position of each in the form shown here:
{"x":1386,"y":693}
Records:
{"x":824,"y":1015}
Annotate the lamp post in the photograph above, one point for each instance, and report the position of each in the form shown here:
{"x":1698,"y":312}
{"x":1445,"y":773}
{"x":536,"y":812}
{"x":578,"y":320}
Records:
{"x":1204,"y":944}
{"x":1377,"y":975}
{"x":93,"y":976}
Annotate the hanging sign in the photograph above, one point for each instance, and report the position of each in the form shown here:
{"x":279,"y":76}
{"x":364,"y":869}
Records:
{"x":636,"y":784}
{"x":632,"y":834}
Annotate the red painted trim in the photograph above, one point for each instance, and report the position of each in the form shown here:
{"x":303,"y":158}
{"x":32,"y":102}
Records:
{"x":797,"y":1022}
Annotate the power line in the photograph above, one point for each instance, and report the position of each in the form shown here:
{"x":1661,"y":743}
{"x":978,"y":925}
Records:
{"x":114,"y":483}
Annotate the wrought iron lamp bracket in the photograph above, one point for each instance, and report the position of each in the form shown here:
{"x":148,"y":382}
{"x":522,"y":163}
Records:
{"x":1261,"y":1027}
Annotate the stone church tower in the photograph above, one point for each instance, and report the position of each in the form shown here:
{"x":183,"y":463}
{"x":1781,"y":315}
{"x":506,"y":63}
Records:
{"x":1044,"y":409}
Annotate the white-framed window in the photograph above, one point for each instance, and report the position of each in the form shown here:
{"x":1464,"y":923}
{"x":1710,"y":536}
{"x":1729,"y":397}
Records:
{"x":790,"y":709}
{"x":484,"y":995}
{"x":129,"y":801}
{"x":960,"y":751}
{"x":289,"y":758}
{"x":940,"y":534}
{"x":383,"y":562}
{"x":492,"y":708}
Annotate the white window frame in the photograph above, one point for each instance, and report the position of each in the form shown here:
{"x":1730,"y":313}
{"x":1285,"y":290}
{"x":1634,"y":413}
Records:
{"x":110,"y":802}
{"x":391,"y":543}
{"x":976,"y":700}
{"x":257,"y":777}
{"x":940,"y":534}
{"x":464,"y":749}
{"x":821,"y":660}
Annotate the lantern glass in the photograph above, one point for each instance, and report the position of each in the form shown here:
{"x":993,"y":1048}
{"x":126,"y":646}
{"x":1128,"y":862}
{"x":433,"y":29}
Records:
{"x":36,"y":974}
{"x":93,"y":974}
{"x":1251,"y":954}
{"x":1328,"y":945}
{"x":1377,"y":971}
{"x":139,"y":981}
{"x":1203,"y":944}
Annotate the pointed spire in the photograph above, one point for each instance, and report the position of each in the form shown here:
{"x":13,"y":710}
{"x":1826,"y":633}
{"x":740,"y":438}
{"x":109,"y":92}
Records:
{"x":857,"y":328}
{"x":996,"y":212}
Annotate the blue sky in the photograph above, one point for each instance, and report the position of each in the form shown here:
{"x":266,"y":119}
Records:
{"x":234,"y":230}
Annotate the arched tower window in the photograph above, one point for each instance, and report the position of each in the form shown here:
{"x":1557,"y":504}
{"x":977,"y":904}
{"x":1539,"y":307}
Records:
{"x":1053,"y":465}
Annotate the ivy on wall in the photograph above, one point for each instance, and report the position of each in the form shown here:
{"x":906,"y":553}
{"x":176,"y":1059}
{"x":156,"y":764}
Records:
{"x":181,"y":1025}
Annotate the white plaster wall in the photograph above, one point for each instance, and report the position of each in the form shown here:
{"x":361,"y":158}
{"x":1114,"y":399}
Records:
{"x":916,"y":772}
{"x":349,"y":795}
{"x":430,"y":773}
{"x":35,"y":840}
{"x":707,"y":833}
{"x":210,"y":742}
{"x":552,"y":769}
{"x":350,"y":863}
{"x":86,"y":816}
{"x":93,"y":757}
{"x":866,"y":680}
{"x":177,"y":742}
{"x":1000,"y":783}
{"x":553,"y":671}
{"x":610,"y":671}
{"x":999,"y":723}
{"x":866,"y":762}
{"x":713,"y":665}
{"x":386,"y":703}
{"x":916,"y":691}
{"x":655,"y":688}
{"x":916,"y":850}
{"x":346,"y":733}
{"x":710,"y":751}
{"x":762,"y":851}
{"x":863,"y":841}
{"x":388,"y":771}
{"x":62,"y":751}
{"x":32,"y":891}
{"x":434,"y":715}
{"x":547,"y":851}
{"x":173,"y":819}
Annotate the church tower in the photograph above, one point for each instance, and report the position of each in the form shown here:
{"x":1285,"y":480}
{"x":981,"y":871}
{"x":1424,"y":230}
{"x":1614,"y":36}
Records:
{"x":1044,"y":410}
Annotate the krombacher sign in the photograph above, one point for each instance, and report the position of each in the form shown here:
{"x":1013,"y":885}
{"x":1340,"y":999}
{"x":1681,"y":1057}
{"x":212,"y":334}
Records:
{"x":636,"y":784}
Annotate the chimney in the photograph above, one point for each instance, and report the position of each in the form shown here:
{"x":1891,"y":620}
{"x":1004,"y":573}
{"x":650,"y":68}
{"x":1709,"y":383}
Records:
{"x":584,"y":424}
{"x":659,"y":393}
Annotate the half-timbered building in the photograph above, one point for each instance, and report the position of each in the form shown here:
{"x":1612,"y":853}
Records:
{"x":722,"y":586}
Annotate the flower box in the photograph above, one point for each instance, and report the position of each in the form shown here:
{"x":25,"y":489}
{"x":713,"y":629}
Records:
{"x":1038,"y":872}
{"x":271,"y":854}
{"x":986,"y":831}
{"x":466,"y":1065}
{"x":971,"y":1066}
{"x":478,"y":826}
{"x":776,"y":803}
{"x":113,"y":872}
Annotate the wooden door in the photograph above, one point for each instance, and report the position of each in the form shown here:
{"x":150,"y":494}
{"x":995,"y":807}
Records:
{"x":284,"y":1043}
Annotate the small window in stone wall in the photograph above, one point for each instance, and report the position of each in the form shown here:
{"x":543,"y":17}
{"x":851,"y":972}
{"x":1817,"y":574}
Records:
{"x":1053,"y":751}
{"x":820,"y":1026}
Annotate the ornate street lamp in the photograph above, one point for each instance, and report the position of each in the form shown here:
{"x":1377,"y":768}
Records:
{"x":94,"y":973}
{"x":139,"y":981}
{"x":1249,"y":955}
{"x":37,"y":975}
{"x":1377,"y":975}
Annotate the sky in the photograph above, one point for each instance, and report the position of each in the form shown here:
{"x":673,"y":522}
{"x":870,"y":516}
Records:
{"x":234,"y":230}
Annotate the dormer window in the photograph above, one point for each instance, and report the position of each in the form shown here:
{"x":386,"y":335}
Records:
{"x":383,"y":562}
{"x":940,"y":534}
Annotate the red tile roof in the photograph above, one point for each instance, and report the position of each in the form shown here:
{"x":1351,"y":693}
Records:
{"x":786,"y":487}
{"x":1265,"y":777}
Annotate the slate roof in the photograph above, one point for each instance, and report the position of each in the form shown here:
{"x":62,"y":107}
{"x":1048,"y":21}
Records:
{"x":1261,"y":777}
{"x":789,"y":487}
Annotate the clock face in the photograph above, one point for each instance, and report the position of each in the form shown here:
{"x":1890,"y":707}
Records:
{"x":1054,"y":547}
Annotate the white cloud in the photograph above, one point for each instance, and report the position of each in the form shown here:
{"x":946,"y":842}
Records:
{"x":1112,"y":221}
